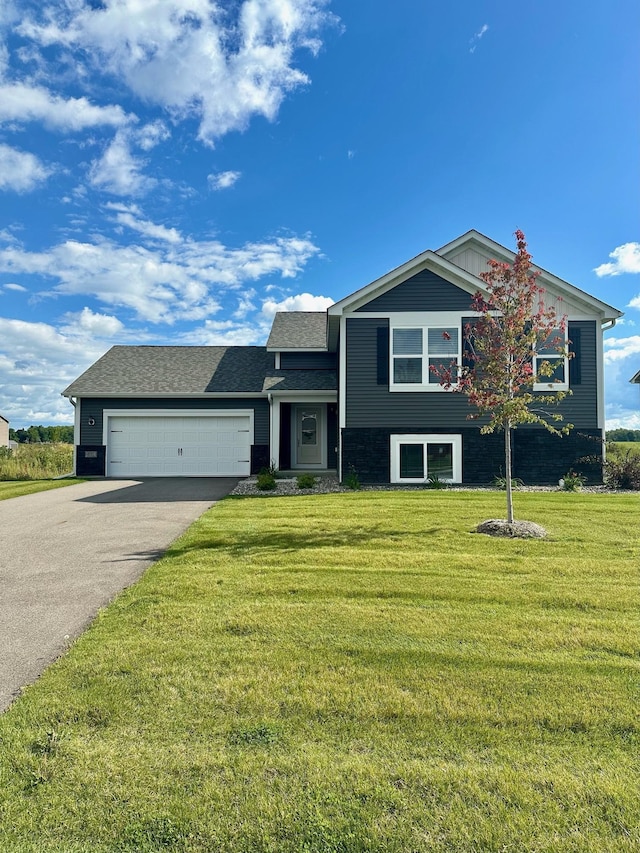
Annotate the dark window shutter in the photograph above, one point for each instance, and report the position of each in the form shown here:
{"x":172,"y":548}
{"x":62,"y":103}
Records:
{"x":383,"y":355}
{"x":575,"y":363}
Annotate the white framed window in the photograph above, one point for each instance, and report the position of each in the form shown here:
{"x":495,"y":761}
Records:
{"x":415,"y":458}
{"x":554,"y":351}
{"x":416,"y":349}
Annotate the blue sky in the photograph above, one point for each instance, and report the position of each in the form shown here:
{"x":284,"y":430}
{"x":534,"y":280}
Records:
{"x":175,"y":171}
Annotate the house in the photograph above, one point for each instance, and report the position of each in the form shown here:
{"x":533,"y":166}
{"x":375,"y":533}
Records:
{"x":4,"y":432}
{"x":348,"y":389}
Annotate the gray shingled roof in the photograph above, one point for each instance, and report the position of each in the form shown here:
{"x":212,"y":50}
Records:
{"x":301,"y":380}
{"x":298,"y":330}
{"x":175,"y":370}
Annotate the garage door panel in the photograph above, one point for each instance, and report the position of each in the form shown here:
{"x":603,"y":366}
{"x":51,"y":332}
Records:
{"x":168,"y":445}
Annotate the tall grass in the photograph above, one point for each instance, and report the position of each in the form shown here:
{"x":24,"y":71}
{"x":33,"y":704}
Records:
{"x":36,"y":461}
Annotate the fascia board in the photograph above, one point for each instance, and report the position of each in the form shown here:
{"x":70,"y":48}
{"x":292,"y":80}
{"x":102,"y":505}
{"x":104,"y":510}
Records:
{"x":297,"y":349}
{"x":426,"y":261}
{"x":165,"y":395}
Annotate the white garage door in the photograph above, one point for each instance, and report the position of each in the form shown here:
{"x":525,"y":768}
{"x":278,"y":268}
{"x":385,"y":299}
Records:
{"x":174,"y":446}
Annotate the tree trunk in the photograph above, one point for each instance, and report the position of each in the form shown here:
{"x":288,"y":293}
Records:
{"x":507,"y":465}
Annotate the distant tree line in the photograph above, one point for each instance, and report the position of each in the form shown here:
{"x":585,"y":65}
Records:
{"x":623,"y":435}
{"x":42,"y":435}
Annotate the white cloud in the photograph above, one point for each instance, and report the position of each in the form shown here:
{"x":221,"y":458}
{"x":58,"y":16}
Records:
{"x":98,"y":325}
{"x":152,"y":134}
{"x":223,"y":64}
{"x":17,"y":287}
{"x":118,"y":171}
{"x":37,"y":361}
{"x":20,"y":171}
{"x":223,"y":180}
{"x":617,"y":349}
{"x":473,"y":41}
{"x":21,"y":102}
{"x":166,"y":282}
{"x":129,"y":216}
{"x":299,"y":302}
{"x":626,"y":259}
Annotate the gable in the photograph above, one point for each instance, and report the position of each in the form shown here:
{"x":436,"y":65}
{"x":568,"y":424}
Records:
{"x":424,"y":291}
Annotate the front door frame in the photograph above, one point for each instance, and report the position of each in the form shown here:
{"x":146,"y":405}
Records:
{"x":296,"y":409}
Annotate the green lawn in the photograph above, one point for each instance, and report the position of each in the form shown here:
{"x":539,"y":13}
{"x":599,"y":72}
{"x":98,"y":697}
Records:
{"x":621,"y":447}
{"x":342,"y":673}
{"x":13,"y":489}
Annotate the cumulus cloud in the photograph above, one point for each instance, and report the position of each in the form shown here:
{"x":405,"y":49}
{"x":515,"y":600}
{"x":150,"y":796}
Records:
{"x":17,"y":287}
{"x":621,"y":361}
{"x":617,"y":349}
{"x":223,"y":180}
{"x":626,"y":259}
{"x":20,"y":102}
{"x":118,"y":171}
{"x":299,"y":302}
{"x":161,"y":283}
{"x":222,"y":65}
{"x":20,"y":171}
{"x":98,"y":325}
{"x":152,"y":134}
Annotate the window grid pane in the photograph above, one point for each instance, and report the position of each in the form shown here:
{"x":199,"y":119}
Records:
{"x":440,"y":460}
{"x":558,"y":374}
{"x":443,"y":341}
{"x":412,"y":462}
{"x":553,"y":344}
{"x":407,"y":341}
{"x":407,"y":371}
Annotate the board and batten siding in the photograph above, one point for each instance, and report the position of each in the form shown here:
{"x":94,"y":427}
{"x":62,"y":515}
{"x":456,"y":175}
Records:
{"x":371,"y":404}
{"x":308,"y":361}
{"x":93,"y":407}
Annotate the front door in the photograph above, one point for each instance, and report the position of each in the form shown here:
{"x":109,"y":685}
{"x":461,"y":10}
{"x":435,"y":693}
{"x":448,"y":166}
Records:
{"x":308,"y":437}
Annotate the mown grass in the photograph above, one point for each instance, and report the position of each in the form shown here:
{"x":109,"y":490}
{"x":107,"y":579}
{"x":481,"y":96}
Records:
{"x":343,"y":673}
{"x":619,"y":448}
{"x":36,"y":461}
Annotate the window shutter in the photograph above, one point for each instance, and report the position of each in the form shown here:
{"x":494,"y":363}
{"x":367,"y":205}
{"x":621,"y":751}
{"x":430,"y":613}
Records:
{"x":575,"y":363}
{"x":383,"y":355}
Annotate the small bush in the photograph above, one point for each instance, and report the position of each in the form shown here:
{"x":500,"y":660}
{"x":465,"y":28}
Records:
{"x":622,"y":471}
{"x":501,"y":482}
{"x":266,"y":481}
{"x":352,"y":481}
{"x":435,"y":482}
{"x":572,"y":482}
{"x":306,"y":481}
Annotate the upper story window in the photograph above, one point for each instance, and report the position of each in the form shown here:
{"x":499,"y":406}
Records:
{"x":415,"y":349}
{"x":553,"y":351}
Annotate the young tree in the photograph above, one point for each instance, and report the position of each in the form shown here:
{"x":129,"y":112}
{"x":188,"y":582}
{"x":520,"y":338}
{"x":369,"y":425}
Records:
{"x":498,"y":376}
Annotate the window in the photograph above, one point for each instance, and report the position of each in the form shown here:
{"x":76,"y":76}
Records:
{"x":415,"y":458}
{"x":415,"y":349}
{"x":552,"y":351}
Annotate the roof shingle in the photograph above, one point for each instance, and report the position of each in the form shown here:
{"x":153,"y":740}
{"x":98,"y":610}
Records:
{"x":298,"y":330}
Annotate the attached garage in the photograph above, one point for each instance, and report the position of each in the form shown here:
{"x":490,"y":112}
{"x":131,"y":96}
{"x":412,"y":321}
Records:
{"x":207,"y":443}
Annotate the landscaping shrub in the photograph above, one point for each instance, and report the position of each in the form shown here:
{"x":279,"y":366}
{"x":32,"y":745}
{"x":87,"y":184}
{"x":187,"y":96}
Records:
{"x":622,"y":471}
{"x":352,"y":481}
{"x":266,"y":481}
{"x":435,"y":482}
{"x":572,"y":482}
{"x":305,"y":481}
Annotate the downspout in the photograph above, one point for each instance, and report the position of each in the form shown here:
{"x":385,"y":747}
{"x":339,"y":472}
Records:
{"x":76,"y":432}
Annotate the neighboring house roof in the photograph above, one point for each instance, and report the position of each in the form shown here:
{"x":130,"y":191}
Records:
{"x":636,"y":378}
{"x":293,"y":330}
{"x":148,"y":370}
{"x":301,"y":380}
{"x":2,"y":418}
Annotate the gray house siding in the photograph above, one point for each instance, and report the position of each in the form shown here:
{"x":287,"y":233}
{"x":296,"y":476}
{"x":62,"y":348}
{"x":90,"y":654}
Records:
{"x":368,"y":402}
{"x":93,"y":407}
{"x":424,"y":291}
{"x":308,"y":361}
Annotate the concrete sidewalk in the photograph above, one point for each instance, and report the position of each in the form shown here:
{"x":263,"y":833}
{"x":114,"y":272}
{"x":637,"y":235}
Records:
{"x":67,"y":552}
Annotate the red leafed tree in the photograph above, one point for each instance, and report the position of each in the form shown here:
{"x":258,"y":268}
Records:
{"x":513,"y":324}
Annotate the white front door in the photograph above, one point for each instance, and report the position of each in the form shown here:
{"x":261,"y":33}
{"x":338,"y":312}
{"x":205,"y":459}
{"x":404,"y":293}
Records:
{"x":309,"y":436}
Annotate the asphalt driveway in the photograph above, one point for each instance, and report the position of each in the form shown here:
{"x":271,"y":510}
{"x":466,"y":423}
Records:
{"x":67,"y":552}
